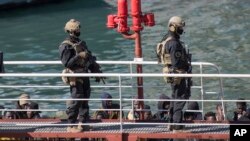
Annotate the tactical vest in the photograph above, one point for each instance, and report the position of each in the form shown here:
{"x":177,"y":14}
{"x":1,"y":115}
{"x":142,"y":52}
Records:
{"x":78,"y":47}
{"x":165,"y":59}
{"x":162,"y":53}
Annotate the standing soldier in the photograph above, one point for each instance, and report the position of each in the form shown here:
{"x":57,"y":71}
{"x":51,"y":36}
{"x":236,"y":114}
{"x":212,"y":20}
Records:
{"x":173,"y":55}
{"x":76,"y":58}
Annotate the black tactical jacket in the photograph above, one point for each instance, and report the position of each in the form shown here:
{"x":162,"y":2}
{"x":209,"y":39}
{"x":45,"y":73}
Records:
{"x":70,"y":59}
{"x":178,"y":54}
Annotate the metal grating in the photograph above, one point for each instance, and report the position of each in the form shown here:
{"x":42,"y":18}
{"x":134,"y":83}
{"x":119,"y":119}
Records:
{"x":38,"y":129}
{"x":131,"y":128}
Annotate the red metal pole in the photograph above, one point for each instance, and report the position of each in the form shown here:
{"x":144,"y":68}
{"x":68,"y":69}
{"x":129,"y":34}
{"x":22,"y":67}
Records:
{"x":138,"y":54}
{"x":119,"y":21}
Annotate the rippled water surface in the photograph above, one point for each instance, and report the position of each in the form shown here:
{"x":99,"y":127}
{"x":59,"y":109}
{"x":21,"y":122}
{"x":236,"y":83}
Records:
{"x":216,"y":31}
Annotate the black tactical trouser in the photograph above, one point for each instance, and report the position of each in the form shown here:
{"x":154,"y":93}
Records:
{"x":79,"y":108}
{"x":176,"y":107}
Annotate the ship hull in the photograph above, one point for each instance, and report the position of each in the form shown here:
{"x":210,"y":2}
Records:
{"x":10,"y":4}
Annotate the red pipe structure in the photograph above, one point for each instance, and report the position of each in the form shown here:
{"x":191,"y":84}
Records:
{"x":119,"y":21}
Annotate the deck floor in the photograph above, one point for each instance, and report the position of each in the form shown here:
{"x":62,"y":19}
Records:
{"x":52,"y":129}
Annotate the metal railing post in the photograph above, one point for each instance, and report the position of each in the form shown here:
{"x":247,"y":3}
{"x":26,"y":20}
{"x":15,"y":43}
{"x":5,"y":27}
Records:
{"x":202,"y":91}
{"x":120,"y":97}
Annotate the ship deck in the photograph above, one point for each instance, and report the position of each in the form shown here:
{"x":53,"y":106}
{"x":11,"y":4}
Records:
{"x":111,"y":130}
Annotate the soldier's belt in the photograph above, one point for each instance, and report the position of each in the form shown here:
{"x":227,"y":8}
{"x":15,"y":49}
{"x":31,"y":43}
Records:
{"x":77,"y":70}
{"x":180,"y":71}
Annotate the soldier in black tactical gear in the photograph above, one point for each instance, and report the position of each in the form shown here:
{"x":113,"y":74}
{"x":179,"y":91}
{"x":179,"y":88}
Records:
{"x":173,"y":55}
{"x":76,"y":58}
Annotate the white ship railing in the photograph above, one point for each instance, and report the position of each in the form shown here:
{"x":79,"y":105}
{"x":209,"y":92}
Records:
{"x":130,"y":63}
{"x":119,"y":76}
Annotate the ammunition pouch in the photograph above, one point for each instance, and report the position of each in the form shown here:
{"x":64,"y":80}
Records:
{"x":167,"y":79}
{"x":173,"y":80}
{"x":68,"y":80}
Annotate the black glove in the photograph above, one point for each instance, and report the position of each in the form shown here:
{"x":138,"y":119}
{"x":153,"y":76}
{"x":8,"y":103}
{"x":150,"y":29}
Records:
{"x":97,"y":79}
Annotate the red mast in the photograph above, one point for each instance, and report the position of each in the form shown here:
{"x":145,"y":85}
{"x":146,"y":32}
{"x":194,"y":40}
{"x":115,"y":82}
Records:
{"x":119,"y":21}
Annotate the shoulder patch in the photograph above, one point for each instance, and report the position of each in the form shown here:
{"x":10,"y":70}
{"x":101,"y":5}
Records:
{"x":177,"y":54}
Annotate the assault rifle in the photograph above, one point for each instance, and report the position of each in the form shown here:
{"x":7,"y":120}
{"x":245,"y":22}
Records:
{"x":92,"y":64}
{"x":189,"y":79}
{"x":95,"y":68}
